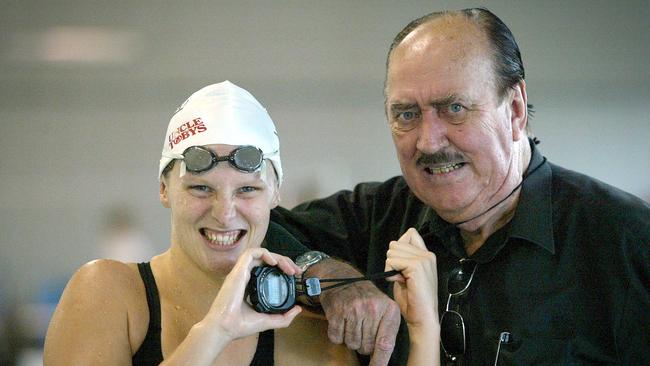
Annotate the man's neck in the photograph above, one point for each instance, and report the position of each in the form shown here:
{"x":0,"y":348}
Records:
{"x":474,"y":239}
{"x":476,"y":232}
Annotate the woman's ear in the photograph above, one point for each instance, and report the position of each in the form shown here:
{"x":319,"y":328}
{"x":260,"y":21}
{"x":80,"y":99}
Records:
{"x":519,"y":111}
{"x":275,"y":200}
{"x":274,"y":184}
{"x":164,"y":198}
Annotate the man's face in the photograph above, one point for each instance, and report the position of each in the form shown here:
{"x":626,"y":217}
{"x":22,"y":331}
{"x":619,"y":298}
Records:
{"x":452,"y":132}
{"x":217,"y":214}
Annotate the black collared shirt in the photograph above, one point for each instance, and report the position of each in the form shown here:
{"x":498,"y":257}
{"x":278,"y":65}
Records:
{"x":568,"y":277}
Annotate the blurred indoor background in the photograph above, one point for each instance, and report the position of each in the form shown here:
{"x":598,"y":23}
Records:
{"x":87,"y":88}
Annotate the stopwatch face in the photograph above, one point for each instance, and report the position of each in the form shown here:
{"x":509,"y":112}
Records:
{"x":275,"y":288}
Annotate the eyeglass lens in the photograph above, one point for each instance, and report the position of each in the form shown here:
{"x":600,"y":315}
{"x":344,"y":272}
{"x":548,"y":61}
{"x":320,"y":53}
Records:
{"x":452,"y":325}
{"x":452,"y":329}
{"x":460,"y":277}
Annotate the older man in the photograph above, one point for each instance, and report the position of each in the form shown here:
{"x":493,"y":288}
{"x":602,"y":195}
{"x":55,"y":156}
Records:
{"x":538,"y":264}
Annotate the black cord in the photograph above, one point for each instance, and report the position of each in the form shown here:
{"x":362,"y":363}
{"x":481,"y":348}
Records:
{"x":347,"y":281}
{"x":506,"y":197}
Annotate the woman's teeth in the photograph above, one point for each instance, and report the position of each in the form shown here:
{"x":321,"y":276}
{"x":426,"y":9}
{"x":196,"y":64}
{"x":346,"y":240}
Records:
{"x":444,"y":169}
{"x":222,"y":238}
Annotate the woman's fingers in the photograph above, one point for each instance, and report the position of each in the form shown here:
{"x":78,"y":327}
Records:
{"x":274,"y":321}
{"x":263,"y":256}
{"x":235,"y":316}
{"x":257,"y":256}
{"x":396,"y":278}
{"x":287,"y":265}
{"x":412,"y":237}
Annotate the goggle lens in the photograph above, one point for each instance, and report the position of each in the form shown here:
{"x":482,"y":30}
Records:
{"x":199,"y":159}
{"x":247,"y":158}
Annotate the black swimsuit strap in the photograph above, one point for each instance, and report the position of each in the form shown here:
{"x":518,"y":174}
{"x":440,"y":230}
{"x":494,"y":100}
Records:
{"x":150,"y":352}
{"x":264,"y":352}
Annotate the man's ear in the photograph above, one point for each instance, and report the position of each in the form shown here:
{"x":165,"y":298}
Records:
{"x":519,"y":111}
{"x":164,"y":198}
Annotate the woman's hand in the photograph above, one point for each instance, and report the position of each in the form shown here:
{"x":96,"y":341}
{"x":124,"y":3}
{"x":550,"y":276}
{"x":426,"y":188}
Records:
{"x":416,"y":288}
{"x":232,"y":314}
{"x":416,"y":293}
{"x":230,"y":317}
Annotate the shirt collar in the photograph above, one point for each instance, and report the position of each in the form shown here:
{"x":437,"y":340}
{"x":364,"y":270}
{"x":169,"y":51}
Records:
{"x":532,"y":220}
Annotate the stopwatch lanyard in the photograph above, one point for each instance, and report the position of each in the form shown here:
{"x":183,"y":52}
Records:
{"x":347,"y":281}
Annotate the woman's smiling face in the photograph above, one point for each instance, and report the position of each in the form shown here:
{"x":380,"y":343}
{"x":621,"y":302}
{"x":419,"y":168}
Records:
{"x":217,"y":214}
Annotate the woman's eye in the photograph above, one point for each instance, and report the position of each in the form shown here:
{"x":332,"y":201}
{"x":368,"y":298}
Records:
{"x":200,"y":189}
{"x":247,"y":189}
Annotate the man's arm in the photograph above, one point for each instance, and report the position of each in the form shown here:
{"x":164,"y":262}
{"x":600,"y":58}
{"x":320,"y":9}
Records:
{"x":340,"y":225}
{"x":359,"y":314}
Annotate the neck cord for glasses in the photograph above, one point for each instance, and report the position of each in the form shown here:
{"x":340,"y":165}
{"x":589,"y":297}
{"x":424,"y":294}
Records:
{"x":524,"y":177}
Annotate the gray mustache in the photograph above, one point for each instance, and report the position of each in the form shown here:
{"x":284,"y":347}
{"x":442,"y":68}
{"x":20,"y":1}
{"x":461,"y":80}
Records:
{"x":441,"y":157}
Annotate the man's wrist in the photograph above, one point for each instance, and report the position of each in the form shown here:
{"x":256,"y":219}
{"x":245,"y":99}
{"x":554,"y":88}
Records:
{"x":310,"y":258}
{"x":306,"y":261}
{"x":332,"y":268}
{"x":329,"y":268}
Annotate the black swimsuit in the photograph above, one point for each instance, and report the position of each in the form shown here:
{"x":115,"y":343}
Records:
{"x":150,"y":352}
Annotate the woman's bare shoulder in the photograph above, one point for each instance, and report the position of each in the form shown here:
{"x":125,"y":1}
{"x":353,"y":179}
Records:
{"x":101,"y":313}
{"x":106,"y":280}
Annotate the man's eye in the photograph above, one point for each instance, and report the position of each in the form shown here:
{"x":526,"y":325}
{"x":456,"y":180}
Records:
{"x":407,"y":116}
{"x":455,"y":107}
{"x":454,"y":113}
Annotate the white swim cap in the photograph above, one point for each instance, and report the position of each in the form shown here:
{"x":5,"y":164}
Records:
{"x":221,"y":113}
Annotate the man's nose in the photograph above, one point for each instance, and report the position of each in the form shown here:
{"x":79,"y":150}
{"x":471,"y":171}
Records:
{"x":432,"y":134}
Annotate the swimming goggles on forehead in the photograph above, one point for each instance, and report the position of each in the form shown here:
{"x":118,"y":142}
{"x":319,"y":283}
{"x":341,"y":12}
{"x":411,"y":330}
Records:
{"x":199,"y":159}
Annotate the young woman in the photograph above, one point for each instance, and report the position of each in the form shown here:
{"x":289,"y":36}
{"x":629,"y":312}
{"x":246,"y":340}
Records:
{"x":219,"y":174}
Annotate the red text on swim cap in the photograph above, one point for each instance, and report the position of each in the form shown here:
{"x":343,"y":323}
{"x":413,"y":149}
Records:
{"x":186,"y":130}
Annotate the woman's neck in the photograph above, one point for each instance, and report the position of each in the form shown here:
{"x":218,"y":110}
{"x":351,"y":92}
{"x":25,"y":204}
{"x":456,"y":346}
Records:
{"x":184,"y":280}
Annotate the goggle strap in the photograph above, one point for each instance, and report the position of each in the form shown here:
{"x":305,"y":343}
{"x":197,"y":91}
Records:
{"x":183,"y":169}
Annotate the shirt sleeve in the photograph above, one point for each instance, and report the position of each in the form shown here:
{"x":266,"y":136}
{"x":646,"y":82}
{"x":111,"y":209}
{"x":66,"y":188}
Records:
{"x":633,"y":337}
{"x":338,"y":225}
{"x":279,"y":240}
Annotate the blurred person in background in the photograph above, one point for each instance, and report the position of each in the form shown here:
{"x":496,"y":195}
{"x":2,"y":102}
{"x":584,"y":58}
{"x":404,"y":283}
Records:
{"x":120,"y":237}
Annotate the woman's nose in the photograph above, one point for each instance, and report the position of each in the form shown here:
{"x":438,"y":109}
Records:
{"x":223,"y":209}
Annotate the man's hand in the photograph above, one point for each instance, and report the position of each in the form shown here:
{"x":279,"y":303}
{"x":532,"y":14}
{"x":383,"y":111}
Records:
{"x":359,"y":314}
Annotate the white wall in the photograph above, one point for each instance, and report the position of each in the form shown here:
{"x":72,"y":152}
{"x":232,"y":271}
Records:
{"x":76,"y":137}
